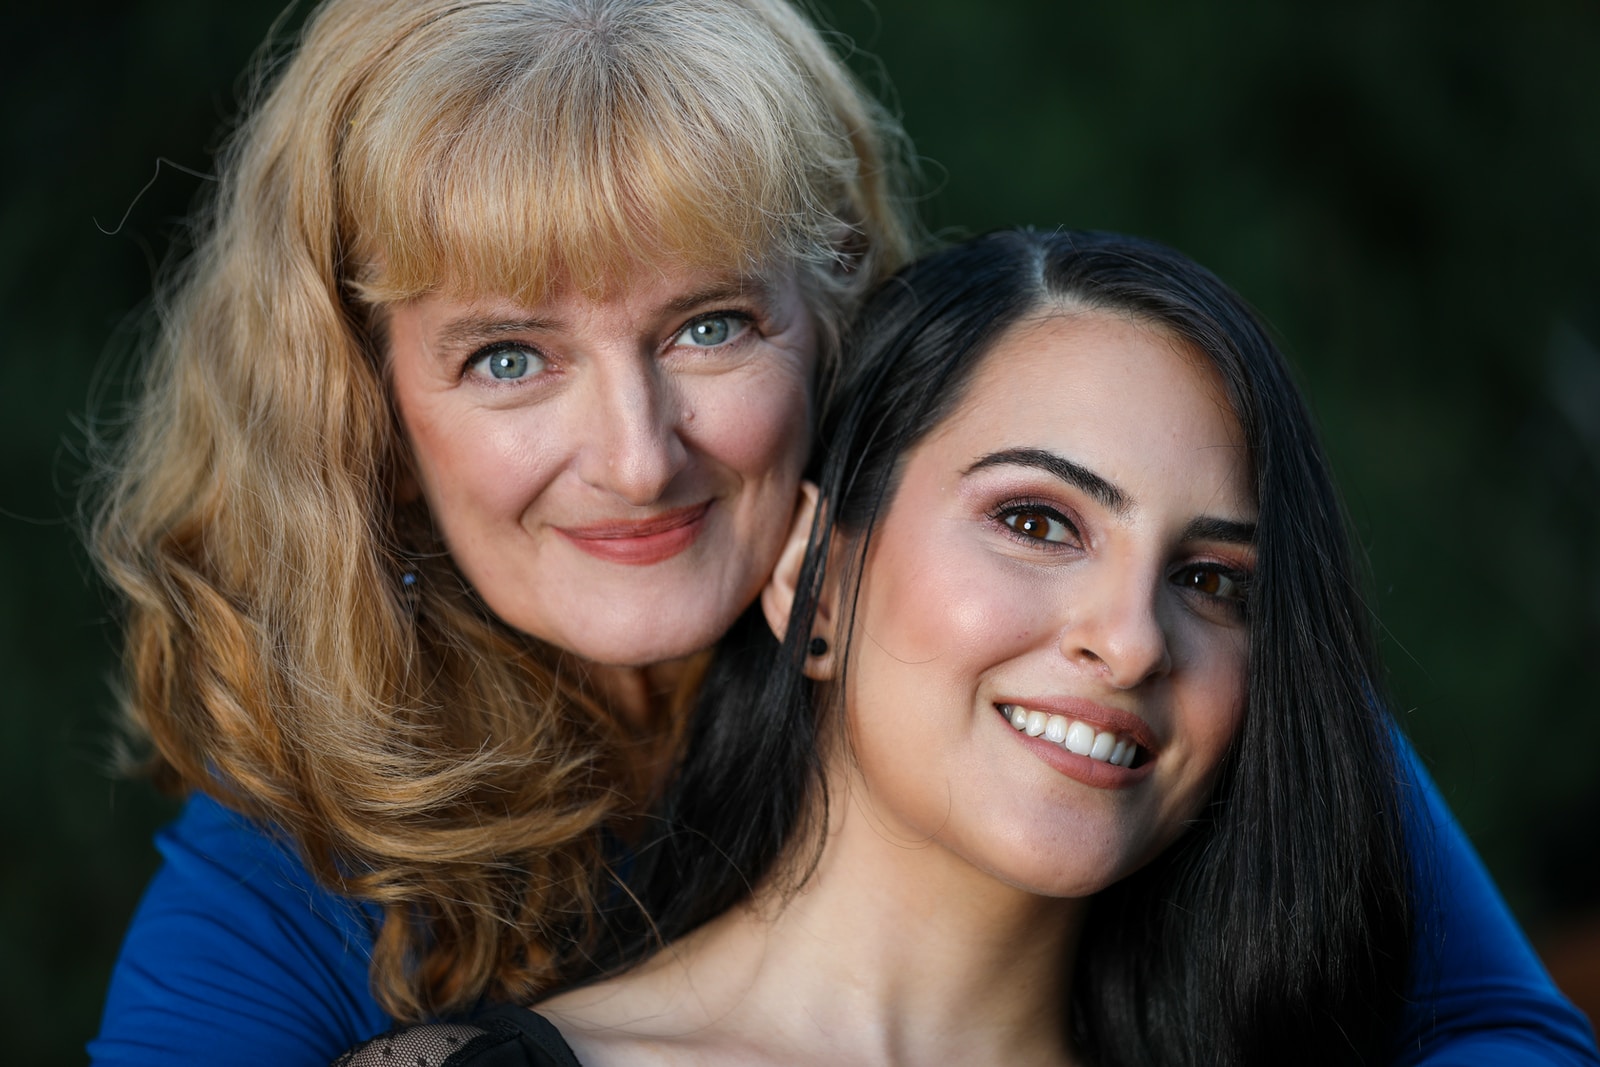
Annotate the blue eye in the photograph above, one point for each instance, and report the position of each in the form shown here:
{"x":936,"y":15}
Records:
{"x":508,"y":364}
{"x":712,"y":330}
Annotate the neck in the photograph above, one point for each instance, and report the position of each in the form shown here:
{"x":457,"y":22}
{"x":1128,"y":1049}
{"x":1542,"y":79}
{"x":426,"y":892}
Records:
{"x":639,"y":697}
{"x":892,"y":953}
{"x":650,"y":705}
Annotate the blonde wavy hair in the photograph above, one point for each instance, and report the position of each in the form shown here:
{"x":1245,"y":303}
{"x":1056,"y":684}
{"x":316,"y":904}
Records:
{"x":421,"y":754}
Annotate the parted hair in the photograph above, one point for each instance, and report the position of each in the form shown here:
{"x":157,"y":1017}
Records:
{"x":416,"y":751}
{"x":1277,"y":929}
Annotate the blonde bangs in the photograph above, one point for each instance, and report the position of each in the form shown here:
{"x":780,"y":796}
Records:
{"x":569,"y":155}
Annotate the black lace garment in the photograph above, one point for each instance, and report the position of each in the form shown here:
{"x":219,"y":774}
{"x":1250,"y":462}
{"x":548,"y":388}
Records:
{"x":507,"y":1036}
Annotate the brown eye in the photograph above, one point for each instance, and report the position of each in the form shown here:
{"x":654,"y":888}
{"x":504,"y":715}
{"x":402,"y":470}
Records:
{"x":1037,"y":525}
{"x":1214,"y":582}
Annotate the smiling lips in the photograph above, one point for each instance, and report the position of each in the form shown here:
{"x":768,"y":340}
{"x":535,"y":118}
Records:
{"x":640,"y":542}
{"x":1114,"y":751}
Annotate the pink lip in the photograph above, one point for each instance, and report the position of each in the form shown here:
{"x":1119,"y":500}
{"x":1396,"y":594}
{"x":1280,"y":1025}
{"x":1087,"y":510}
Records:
{"x":1081,"y":768}
{"x":640,"y":542}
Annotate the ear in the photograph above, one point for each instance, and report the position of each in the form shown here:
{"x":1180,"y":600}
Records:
{"x":777,"y":599}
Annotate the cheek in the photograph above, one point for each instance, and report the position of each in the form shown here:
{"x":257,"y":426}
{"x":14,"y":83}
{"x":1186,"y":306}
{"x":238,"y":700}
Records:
{"x":940,"y":597}
{"x":1217,"y":706}
{"x":476,"y":463}
{"x":760,"y":428}
{"x":1230,"y":682}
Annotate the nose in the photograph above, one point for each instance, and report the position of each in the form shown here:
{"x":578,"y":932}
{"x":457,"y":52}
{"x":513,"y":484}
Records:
{"x":630,"y":445}
{"x":1116,"y":627}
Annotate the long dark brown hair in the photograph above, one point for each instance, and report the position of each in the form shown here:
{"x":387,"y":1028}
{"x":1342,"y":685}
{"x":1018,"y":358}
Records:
{"x":1277,"y":929}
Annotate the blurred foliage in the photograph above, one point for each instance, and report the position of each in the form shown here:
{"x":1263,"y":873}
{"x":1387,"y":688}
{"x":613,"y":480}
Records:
{"x":1410,"y":193}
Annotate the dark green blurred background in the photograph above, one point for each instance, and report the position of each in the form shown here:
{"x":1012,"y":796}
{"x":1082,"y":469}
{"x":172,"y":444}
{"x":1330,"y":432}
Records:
{"x":1411,"y":194}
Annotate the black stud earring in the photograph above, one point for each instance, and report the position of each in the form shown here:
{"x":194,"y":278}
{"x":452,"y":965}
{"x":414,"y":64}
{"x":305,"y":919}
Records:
{"x":818,"y":646}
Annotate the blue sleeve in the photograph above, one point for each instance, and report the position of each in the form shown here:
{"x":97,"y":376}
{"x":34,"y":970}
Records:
{"x":1479,"y":996}
{"x":237,"y":956}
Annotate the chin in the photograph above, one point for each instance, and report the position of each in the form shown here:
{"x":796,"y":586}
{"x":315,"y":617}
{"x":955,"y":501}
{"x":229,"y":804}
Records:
{"x":1071,"y":866}
{"x":664,"y":641}
{"x":624,"y":627}
{"x":655,"y":656}
{"x":1063,"y":881}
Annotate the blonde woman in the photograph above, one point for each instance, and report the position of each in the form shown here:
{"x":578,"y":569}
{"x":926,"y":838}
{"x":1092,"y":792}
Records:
{"x":476,"y":417}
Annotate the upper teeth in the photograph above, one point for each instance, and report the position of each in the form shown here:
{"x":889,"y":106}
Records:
{"x":1072,"y":735}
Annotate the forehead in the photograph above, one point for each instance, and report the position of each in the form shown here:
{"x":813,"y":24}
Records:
{"x":642,"y":293}
{"x":1114,"y":393}
{"x":509,"y":147}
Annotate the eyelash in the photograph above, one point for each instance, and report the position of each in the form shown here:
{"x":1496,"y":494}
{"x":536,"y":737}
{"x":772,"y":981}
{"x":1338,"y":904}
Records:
{"x":741,"y":321}
{"x":1018,"y":508}
{"x":487,"y":352}
{"x":1239,"y":604}
{"x":1241,"y":579}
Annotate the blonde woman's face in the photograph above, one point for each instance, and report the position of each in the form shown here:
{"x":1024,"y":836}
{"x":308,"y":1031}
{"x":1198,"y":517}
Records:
{"x":1048,"y":663}
{"x":613,"y":475}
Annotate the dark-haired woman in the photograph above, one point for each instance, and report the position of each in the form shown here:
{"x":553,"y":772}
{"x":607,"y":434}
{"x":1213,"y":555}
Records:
{"x":1073,"y":751}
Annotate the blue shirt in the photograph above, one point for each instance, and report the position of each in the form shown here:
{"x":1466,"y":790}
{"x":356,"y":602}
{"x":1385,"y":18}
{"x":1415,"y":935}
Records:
{"x":236,"y":955}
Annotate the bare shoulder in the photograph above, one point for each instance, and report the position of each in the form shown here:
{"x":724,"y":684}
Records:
{"x":656,"y":1015}
{"x":655,"y":1002}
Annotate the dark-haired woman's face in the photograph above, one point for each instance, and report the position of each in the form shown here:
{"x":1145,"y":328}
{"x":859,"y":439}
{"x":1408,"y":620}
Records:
{"x":614,"y":475}
{"x":1048,"y":663}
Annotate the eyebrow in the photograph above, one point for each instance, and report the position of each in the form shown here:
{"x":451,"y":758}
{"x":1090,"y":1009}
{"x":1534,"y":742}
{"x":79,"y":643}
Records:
{"x":716,"y":292}
{"x":1225,"y":531}
{"x":1085,"y":479}
{"x":472,"y":330}
{"x":1203,"y":528}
